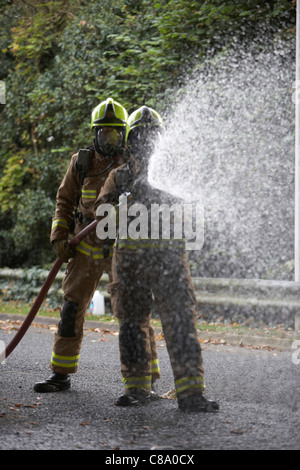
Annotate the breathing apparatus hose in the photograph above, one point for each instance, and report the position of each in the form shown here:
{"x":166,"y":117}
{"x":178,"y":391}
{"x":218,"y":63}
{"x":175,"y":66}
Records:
{"x":43,"y":292}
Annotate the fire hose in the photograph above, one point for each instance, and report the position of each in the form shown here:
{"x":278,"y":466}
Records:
{"x":44,"y":290}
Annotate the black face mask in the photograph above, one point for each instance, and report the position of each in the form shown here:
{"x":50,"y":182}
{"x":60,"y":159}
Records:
{"x":142,"y":142}
{"x":109,"y":141}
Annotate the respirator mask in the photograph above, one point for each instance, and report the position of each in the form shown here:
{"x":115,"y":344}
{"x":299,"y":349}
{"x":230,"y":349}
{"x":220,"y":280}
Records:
{"x":109,"y":141}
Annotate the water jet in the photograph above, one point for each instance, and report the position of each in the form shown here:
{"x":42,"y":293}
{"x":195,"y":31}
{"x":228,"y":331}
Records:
{"x":229,"y":142}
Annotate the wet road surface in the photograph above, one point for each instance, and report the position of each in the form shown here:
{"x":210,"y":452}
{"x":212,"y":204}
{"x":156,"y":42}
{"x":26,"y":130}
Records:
{"x":258,"y":392}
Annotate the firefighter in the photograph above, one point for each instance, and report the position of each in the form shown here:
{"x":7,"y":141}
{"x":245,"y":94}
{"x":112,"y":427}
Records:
{"x":76,"y":196}
{"x":146,"y":267}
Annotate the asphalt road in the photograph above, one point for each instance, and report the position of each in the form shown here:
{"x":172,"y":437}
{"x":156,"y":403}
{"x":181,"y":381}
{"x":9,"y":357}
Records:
{"x":258,"y":392}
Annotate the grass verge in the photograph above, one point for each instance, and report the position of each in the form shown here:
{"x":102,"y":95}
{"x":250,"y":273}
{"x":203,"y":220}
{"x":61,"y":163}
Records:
{"x":21,"y":308}
{"x":15,"y":307}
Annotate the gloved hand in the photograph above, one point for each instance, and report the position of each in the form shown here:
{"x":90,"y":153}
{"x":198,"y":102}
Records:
{"x":141,"y":189}
{"x":63,"y":250}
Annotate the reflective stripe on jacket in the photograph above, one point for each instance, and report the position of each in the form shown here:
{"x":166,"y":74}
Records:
{"x":131,"y":244}
{"x":70,"y":190}
{"x":98,"y":252}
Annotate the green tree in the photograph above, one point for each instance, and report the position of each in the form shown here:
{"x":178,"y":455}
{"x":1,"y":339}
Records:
{"x":58,"y":59}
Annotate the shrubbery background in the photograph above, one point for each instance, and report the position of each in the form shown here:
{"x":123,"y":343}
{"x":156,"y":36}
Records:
{"x":60,"y":59}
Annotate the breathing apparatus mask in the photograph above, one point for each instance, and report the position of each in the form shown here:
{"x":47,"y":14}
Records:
{"x":109,"y":119}
{"x":145,"y":128}
{"x":109,"y":140}
{"x":142,"y":140}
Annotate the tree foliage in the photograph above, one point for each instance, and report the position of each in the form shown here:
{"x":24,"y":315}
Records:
{"x":59,"y":59}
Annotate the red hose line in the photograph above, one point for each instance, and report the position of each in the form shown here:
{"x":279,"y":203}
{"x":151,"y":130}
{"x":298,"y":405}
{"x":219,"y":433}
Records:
{"x":43,"y":292}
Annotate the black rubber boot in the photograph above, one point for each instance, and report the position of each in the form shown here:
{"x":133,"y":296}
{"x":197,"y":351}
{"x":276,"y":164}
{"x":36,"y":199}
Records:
{"x":55,"y":383}
{"x":197,"y":403}
{"x":134,"y":397}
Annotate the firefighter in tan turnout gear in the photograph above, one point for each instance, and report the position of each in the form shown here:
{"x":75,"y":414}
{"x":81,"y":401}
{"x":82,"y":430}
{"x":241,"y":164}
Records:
{"x":146,"y":266}
{"x":76,"y":196}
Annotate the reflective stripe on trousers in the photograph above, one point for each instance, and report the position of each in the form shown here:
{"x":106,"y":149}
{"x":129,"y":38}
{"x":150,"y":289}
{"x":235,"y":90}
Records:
{"x":155,"y":366}
{"x":189,"y":383}
{"x":137,"y":382}
{"x":64,"y":361}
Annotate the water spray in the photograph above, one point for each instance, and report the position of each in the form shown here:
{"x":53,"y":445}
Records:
{"x":229,"y":143}
{"x":297,"y":150}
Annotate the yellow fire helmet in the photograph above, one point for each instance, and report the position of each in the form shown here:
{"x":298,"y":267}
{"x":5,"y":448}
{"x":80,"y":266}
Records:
{"x":144,"y":116}
{"x":110,"y":114}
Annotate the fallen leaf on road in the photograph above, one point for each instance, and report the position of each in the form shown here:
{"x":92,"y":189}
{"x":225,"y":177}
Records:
{"x":212,"y":341}
{"x":159,"y":337}
{"x":19,"y":405}
{"x":170,"y":394}
{"x":237,"y":431}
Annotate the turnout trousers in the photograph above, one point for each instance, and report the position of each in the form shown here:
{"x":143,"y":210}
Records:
{"x":82,"y":278}
{"x":165,"y":274}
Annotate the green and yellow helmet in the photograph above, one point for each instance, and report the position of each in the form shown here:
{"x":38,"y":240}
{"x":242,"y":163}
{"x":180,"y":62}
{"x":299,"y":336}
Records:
{"x":109,"y":119}
{"x":144,"y":116}
{"x":109,"y":113}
